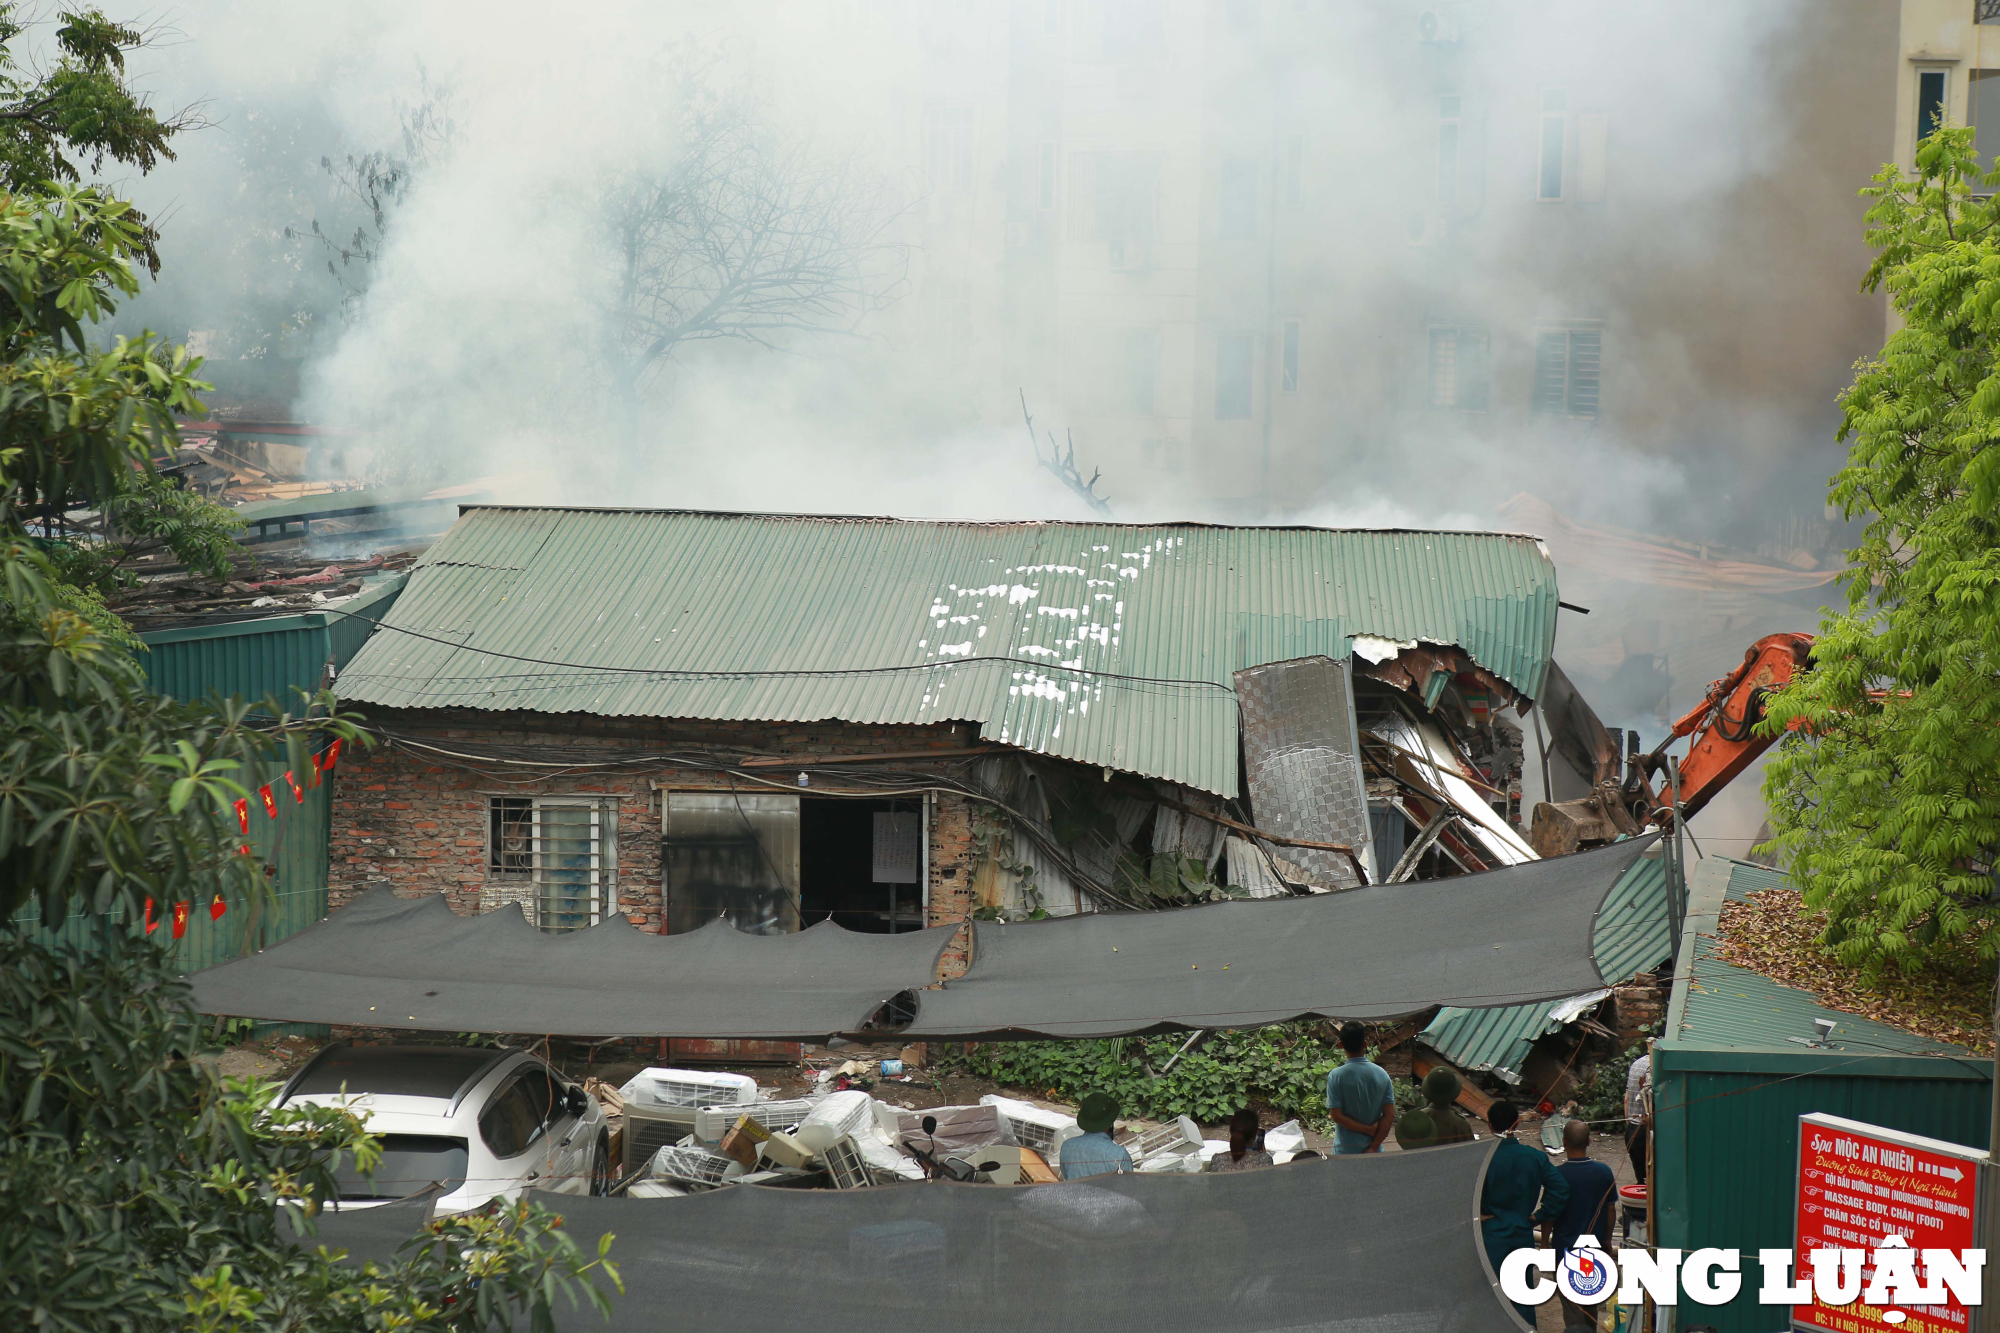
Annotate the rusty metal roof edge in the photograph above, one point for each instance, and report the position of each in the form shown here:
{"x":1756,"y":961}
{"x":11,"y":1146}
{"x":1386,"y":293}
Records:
{"x":993,"y":522}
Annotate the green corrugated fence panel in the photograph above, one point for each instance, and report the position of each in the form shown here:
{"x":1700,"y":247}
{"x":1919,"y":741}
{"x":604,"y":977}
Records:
{"x":298,"y":837}
{"x":274,"y":656}
{"x":1726,"y":1145}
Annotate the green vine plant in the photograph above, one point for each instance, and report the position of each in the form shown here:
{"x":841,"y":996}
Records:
{"x":993,"y":840}
{"x":1283,"y":1067}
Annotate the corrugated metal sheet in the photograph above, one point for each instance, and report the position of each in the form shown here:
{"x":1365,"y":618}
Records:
{"x":1726,"y":1007}
{"x":1102,"y":643}
{"x":249,"y":659}
{"x":1729,"y":1085}
{"x":300,"y":857}
{"x":1630,"y":937}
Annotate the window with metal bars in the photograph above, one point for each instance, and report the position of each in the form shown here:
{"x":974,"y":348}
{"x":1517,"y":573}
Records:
{"x":1458,"y":369}
{"x":565,"y":848}
{"x":1567,"y":362}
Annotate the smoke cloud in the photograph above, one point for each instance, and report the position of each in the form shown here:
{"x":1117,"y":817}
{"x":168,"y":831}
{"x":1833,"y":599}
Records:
{"x":1717,"y":249}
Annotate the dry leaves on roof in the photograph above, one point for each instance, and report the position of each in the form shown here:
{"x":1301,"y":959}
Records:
{"x":1773,"y":934}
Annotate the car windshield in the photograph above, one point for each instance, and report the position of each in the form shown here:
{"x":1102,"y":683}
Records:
{"x":409,"y":1164}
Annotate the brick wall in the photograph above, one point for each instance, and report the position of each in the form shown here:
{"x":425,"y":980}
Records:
{"x":416,"y":820}
{"x":1640,"y":1005}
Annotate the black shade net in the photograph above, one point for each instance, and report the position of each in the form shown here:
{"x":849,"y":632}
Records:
{"x":1503,"y":937}
{"x":384,"y":961}
{"x":1377,"y":1244}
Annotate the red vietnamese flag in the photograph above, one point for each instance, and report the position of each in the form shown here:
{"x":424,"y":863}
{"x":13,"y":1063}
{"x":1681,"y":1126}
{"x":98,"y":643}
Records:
{"x":270,"y":801}
{"x":151,"y":925}
{"x":332,"y":756}
{"x":313,"y":781}
{"x":217,"y":908}
{"x":180,"y":919}
{"x":298,"y":792}
{"x":243,"y":815}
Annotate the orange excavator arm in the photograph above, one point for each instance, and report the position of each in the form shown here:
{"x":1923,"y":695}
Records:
{"x":1724,"y":723}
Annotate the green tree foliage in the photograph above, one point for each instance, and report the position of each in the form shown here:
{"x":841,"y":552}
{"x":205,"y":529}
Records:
{"x":78,"y":111}
{"x":139,"y":1191}
{"x":1885,"y":799}
{"x":1284,"y":1067}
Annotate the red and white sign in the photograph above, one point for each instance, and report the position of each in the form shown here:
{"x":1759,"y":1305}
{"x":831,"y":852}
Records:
{"x":1860,"y":1183}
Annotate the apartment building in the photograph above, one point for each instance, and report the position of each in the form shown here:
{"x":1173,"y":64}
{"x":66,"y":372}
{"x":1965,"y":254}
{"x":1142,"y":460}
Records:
{"x":1248,"y":250}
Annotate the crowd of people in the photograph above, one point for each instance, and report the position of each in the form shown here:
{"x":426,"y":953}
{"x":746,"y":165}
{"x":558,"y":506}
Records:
{"x":1524,"y":1192}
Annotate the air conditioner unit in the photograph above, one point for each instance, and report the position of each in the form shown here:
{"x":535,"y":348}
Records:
{"x":661,"y":1106}
{"x":1437,"y":28}
{"x":1174,"y":1146}
{"x":712,"y":1122}
{"x":694,"y":1166}
{"x":1044,"y":1131}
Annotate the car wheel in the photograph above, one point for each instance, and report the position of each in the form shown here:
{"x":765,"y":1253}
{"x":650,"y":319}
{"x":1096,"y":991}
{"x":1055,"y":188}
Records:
{"x":600,"y":1169}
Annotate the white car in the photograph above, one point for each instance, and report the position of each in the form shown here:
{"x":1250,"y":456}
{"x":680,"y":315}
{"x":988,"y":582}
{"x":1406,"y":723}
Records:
{"x":482,"y":1122}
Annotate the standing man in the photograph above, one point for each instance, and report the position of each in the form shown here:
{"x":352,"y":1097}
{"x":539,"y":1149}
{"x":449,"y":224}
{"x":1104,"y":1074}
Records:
{"x":1517,"y":1178}
{"x":1359,"y":1097}
{"x":1592,"y":1187}
{"x":1638,"y":1079}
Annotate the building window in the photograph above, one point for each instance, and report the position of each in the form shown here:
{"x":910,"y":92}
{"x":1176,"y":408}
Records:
{"x":564,"y":848}
{"x":1288,"y":379}
{"x":1983,"y":110}
{"x":1930,"y":101}
{"x":1233,"y":355}
{"x":1132,"y":29}
{"x":1295,"y":156}
{"x":1048,"y":185}
{"x":951,"y":147}
{"x":1458,"y":369}
{"x":1112,"y":199}
{"x":1448,"y":124}
{"x":1163,"y":455}
{"x":1238,"y":197}
{"x":510,"y":832}
{"x":1142,"y":359}
{"x":1555,"y":121}
{"x":1566,"y":371}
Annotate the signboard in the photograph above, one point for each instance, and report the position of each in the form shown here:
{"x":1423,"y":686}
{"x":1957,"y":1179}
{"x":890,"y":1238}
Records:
{"x":1860,"y":1183}
{"x":898,"y":838}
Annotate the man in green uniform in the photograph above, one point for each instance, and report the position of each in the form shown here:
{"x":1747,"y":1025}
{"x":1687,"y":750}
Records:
{"x":1516,"y":1177}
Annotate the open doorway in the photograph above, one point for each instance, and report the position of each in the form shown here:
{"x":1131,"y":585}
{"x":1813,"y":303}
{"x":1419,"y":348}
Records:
{"x":861,"y":864}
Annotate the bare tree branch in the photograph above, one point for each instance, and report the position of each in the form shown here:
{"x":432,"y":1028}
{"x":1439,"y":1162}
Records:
{"x":1063,"y":464}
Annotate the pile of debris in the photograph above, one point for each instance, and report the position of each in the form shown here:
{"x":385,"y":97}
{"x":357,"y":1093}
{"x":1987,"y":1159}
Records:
{"x":269,"y":585}
{"x":686,"y":1131}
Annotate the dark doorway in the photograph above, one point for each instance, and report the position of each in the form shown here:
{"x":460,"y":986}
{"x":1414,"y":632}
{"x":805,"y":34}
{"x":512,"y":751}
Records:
{"x":838,"y":862}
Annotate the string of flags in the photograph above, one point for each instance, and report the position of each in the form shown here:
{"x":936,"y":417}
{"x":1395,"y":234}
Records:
{"x":322,"y":764}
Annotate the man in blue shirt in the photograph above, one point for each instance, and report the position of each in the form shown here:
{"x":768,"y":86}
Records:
{"x":1358,"y":1097}
{"x":1592,"y":1187}
{"x":1516,"y":1177}
{"x":1092,"y":1153}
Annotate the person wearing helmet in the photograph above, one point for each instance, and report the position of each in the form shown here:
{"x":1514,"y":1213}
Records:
{"x":1441,"y":1089}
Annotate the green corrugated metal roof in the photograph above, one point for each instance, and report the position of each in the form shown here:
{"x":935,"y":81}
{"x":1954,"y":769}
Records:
{"x":1719,"y":1005}
{"x":1630,"y":936}
{"x":1105,"y":643}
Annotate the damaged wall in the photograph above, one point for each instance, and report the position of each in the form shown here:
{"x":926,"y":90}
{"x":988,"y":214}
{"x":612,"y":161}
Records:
{"x":422,"y":822}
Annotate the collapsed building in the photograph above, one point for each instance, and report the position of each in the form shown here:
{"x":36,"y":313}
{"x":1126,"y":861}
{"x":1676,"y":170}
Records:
{"x":779,"y":719}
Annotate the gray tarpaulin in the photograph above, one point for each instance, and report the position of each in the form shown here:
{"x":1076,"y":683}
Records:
{"x":384,"y":961}
{"x":1503,"y":937}
{"x":1377,"y":1244}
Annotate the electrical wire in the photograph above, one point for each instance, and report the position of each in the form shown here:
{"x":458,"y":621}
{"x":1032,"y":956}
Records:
{"x":768,"y":672}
